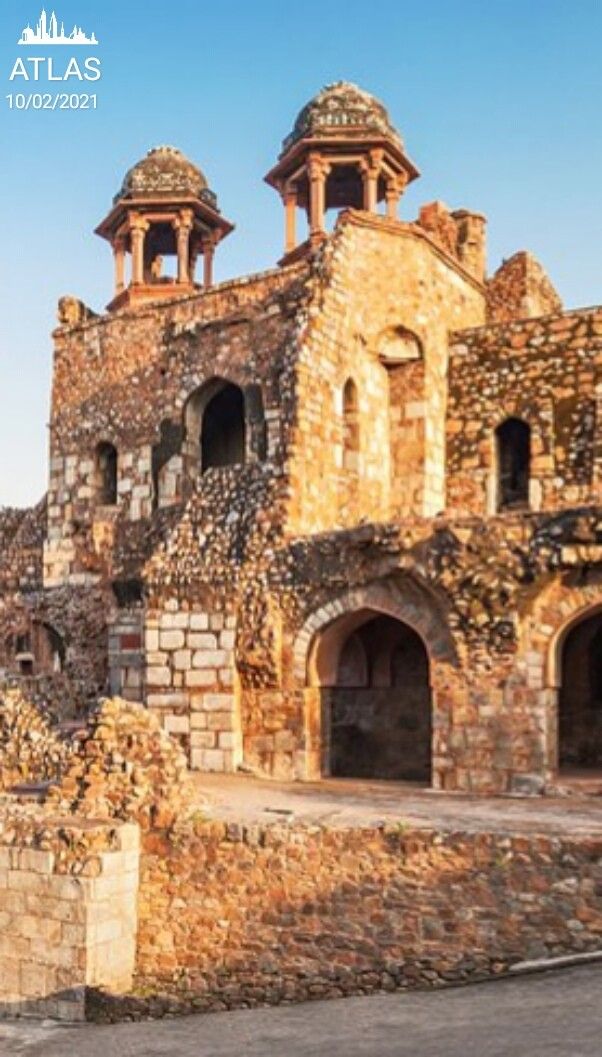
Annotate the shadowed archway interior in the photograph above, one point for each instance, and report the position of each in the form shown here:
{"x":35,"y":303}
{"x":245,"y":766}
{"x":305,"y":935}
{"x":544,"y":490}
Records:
{"x":580,"y":701}
{"x":378,"y":699}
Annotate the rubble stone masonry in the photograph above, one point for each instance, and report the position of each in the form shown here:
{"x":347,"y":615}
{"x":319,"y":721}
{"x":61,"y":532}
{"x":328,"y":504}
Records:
{"x":220,"y":915}
{"x":547,"y":372}
{"x":361,"y":476}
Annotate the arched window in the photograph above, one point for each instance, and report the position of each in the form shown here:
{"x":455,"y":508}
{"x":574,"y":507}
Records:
{"x":106,"y":474}
{"x":351,"y":426}
{"x":223,"y":429}
{"x":163,"y":459}
{"x":215,"y":425}
{"x":513,"y":456}
{"x":48,"y":648}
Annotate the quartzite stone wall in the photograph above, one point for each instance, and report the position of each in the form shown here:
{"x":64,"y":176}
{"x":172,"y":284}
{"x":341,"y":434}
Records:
{"x":208,"y":596}
{"x":520,"y":289}
{"x":212,"y":915}
{"x":118,"y":378}
{"x":243,"y":915}
{"x":384,"y":298}
{"x":545,"y":371}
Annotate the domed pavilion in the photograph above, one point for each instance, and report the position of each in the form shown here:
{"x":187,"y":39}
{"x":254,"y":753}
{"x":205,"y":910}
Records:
{"x":343,"y":152}
{"x":164,"y":208}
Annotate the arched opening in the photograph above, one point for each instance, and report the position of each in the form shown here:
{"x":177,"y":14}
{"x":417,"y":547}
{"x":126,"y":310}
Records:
{"x":128,"y":593}
{"x":48,"y":649}
{"x":513,"y":460}
{"x":580,"y":697}
{"x":215,"y":425}
{"x":351,"y":426}
{"x":223,"y":429}
{"x":374,"y":671}
{"x":165,"y":464}
{"x":106,"y":474}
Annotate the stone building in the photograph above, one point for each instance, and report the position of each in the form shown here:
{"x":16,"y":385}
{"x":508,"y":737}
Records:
{"x":338,"y":518}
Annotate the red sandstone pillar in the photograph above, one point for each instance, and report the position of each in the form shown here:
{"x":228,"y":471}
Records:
{"x":290,"y":206}
{"x":317,"y":195}
{"x":183,"y":227}
{"x":119,"y":256}
{"x":138,"y":230}
{"x":392,"y":196}
{"x":371,"y":171}
{"x":208,"y":252}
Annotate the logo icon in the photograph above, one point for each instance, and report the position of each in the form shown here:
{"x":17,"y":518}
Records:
{"x":47,"y":32}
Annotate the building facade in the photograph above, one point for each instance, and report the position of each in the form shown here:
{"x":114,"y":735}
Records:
{"x":339,"y":518}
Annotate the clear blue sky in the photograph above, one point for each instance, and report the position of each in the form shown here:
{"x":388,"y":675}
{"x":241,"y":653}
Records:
{"x":498,"y":102}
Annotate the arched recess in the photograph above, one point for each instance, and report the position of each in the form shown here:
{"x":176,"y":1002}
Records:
{"x":351,"y":427}
{"x":396,"y":645}
{"x":575,"y":670}
{"x":166,"y":464}
{"x":48,"y":647}
{"x":106,"y":469}
{"x":513,"y":464}
{"x":215,"y":425}
{"x":401,"y":352}
{"x":539,"y":669}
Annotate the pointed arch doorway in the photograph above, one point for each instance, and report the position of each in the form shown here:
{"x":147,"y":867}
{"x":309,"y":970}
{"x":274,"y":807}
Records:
{"x":580,"y":695}
{"x":376,"y":698}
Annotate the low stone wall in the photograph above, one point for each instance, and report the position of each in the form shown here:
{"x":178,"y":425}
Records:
{"x":240,"y":916}
{"x":68,"y":912}
{"x":233,"y":916}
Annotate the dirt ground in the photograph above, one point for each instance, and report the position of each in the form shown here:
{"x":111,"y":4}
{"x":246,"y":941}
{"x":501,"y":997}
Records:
{"x":349,"y":802}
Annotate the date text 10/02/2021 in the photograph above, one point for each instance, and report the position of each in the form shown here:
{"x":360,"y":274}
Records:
{"x":50,"y":101}
{"x":37,"y":68}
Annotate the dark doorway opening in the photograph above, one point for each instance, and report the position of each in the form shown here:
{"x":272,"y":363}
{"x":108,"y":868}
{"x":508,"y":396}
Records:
{"x":580,"y":703}
{"x":380,"y":704}
{"x":513,"y":439}
{"x":223,"y":429}
{"x":106,"y":474}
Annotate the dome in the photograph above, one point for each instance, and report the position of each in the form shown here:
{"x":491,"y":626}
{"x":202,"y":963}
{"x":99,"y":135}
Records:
{"x":165,"y":171}
{"x":342,"y":107}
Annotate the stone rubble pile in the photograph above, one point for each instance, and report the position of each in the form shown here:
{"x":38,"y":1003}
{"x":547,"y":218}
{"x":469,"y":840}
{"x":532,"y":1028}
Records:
{"x":30,"y":750}
{"x":126,"y":768}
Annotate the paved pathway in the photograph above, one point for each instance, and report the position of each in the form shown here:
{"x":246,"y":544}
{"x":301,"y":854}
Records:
{"x":351,"y":802}
{"x":556,"y":1014}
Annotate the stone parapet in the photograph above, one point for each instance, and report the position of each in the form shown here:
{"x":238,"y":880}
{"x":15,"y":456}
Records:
{"x":246,"y":915}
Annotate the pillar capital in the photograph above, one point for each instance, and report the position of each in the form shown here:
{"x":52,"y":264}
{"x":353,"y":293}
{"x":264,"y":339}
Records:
{"x":184,"y":221}
{"x":138,"y":223}
{"x":208,"y":241}
{"x":317,"y":167}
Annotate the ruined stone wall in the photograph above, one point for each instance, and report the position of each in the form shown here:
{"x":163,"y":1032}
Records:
{"x":378,"y":282}
{"x":546,"y":372}
{"x":119,"y":378}
{"x":520,"y":289}
{"x":80,"y":618}
{"x":243,"y":915}
{"x":21,"y":540}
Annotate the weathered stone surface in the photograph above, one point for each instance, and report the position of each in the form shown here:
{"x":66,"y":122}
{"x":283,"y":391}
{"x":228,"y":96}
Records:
{"x":30,"y":750}
{"x":125,"y":767}
{"x":355,"y":471}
